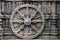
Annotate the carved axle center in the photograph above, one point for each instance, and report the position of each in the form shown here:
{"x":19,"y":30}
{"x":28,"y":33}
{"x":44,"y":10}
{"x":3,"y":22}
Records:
{"x":27,"y":21}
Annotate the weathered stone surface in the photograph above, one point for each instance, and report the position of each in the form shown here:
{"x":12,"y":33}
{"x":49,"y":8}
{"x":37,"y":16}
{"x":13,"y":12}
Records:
{"x":47,"y":7}
{"x":31,"y":0}
{"x":7,"y":7}
{"x":58,"y":8}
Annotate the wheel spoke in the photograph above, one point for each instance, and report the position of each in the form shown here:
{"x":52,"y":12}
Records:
{"x":38,"y":17}
{"x":27,"y":12}
{"x":27,"y":31}
{"x":33,"y":14}
{"x":17,"y":21}
{"x":21,"y":27}
{"x":35,"y":21}
{"x":22,"y":15}
{"x":34,"y":28}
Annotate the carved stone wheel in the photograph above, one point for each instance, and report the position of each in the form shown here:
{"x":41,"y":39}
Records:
{"x":27,"y":21}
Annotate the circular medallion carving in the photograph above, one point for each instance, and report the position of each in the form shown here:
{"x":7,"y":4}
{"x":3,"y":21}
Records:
{"x":27,"y":21}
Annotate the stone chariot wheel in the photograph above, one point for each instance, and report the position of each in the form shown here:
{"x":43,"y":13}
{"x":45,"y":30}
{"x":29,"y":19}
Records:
{"x":27,"y":21}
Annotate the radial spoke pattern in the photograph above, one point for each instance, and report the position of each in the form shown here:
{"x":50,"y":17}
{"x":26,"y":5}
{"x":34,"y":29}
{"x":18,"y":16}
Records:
{"x":17,"y":21}
{"x":21,"y":27}
{"x":22,"y":15}
{"x":27,"y":11}
{"x":34,"y":28}
{"x":32,"y":13}
{"x":27,"y":21}
{"x":35,"y":21}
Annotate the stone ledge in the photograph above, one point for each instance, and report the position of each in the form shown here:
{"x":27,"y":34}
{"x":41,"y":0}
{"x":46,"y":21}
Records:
{"x":31,"y":0}
{"x":31,"y":39}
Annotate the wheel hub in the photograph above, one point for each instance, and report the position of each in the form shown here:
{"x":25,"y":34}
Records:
{"x":27,"y":21}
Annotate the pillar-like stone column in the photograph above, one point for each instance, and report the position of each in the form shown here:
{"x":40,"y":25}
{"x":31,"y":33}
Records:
{"x":1,"y":30}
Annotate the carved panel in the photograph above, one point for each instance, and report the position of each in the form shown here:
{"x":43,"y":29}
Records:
{"x":7,"y":7}
{"x":46,"y":7}
{"x":58,"y":7}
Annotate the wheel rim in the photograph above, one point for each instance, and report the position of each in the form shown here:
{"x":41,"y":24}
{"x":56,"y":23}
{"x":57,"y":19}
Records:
{"x":27,"y":21}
